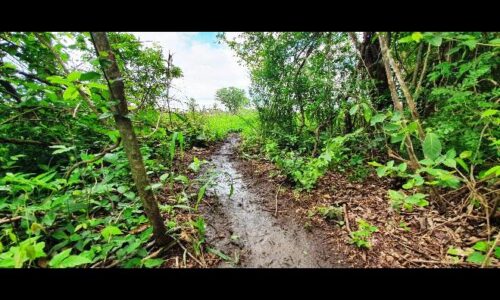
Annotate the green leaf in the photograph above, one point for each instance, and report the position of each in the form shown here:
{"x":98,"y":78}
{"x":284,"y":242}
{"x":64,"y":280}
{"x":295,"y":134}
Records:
{"x":481,"y":246}
{"x":493,"y":170}
{"x":353,"y":110}
{"x":417,"y":36}
{"x":476,"y":258}
{"x":105,"y":115}
{"x":449,"y":162}
{"x":436,"y":40}
{"x":70,"y":93}
{"x":61,"y":149}
{"x":367,"y":112}
{"x":427,"y":162}
{"x":488,"y":113}
{"x":497,"y":252}
{"x":377,"y":119}
{"x":406,"y":39}
{"x":8,"y":65}
{"x":495,"y":42}
{"x":431,"y":146}
{"x":219,"y":253}
{"x":109,"y":231}
{"x":153,"y":262}
{"x":74,"y":76}
{"x":90,"y":76}
{"x":462,"y":163}
{"x":73,"y":261}
{"x":470,"y":43}
{"x":465,"y":154}
{"x":58,"y":258}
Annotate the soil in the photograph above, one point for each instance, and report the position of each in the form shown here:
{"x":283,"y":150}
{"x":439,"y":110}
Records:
{"x":240,"y":224}
{"x":266,"y":223}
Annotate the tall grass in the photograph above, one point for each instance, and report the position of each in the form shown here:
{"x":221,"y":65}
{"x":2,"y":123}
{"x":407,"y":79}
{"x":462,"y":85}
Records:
{"x":223,"y":123}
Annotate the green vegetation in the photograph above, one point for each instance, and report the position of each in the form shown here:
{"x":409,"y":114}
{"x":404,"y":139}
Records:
{"x":93,"y":167}
{"x":232,"y":98}
{"x":221,"y":123}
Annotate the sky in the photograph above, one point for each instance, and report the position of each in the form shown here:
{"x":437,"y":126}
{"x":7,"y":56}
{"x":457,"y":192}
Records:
{"x":206,"y":64}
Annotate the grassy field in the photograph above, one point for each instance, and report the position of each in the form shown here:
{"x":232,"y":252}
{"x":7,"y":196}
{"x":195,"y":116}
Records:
{"x":222,"y":123}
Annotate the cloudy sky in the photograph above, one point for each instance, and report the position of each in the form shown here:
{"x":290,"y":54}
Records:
{"x":206,"y":65}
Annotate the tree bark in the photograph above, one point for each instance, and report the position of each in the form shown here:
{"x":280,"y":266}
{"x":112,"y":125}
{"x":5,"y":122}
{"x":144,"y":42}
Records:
{"x":370,"y":54}
{"x":398,"y":105}
{"x":402,"y":83}
{"x":120,"y":111}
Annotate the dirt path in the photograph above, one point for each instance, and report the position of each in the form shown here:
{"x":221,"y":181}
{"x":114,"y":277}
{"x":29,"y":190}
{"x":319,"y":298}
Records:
{"x":242,"y":228}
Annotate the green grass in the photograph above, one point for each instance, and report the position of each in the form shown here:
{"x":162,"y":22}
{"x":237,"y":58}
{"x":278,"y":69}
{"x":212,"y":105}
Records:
{"x":223,"y":123}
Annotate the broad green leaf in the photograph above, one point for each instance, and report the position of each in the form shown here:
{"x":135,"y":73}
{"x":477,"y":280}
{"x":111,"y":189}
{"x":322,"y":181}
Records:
{"x":70,"y":93}
{"x":417,"y":36}
{"x":73,"y":261}
{"x":476,"y":258}
{"x":377,"y":119}
{"x":481,"y":246}
{"x":109,"y":231}
{"x":74,"y":76}
{"x":431,"y":146}
{"x":58,"y":258}
{"x":436,"y":40}
{"x":493,"y":170}
{"x":449,"y":162}
{"x":406,"y":39}
{"x":462,"y":164}
{"x":153,"y":262}
{"x":90,"y":76}
{"x":465,"y":154}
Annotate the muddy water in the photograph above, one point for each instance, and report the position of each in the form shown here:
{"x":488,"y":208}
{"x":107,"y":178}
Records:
{"x":264,"y":241}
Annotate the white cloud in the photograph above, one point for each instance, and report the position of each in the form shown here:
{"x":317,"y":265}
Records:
{"x":206,"y":66}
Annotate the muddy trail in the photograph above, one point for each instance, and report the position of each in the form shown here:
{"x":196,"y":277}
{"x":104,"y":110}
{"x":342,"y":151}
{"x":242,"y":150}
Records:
{"x":241,"y":227}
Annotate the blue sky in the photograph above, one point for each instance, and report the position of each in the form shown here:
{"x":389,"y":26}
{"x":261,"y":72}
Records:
{"x":206,"y":65}
{"x":206,"y":37}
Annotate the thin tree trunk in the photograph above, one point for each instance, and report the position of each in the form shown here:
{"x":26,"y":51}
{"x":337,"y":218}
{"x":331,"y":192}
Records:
{"x":120,"y":111}
{"x":402,"y":83}
{"x":398,"y":105}
{"x":169,"y":83}
{"x":417,"y":65}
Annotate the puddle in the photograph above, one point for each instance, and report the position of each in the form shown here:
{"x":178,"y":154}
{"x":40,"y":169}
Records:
{"x":263,"y":241}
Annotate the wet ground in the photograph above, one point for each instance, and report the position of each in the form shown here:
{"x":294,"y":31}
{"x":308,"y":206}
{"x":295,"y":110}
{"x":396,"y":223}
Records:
{"x":240,"y":226}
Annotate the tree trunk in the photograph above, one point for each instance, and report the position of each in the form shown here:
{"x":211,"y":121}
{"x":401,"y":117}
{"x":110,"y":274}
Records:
{"x":398,"y":105}
{"x":371,"y":57}
{"x":120,"y":111}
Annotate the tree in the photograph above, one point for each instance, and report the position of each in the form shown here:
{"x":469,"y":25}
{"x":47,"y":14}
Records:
{"x":233,"y":98}
{"x":130,"y":143}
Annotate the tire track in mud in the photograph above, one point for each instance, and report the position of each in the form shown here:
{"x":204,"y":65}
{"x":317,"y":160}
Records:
{"x":239,"y":224}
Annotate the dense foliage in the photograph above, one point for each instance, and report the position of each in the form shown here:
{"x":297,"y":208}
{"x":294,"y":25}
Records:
{"x":67,"y":197}
{"x":421,"y":107}
{"x":232,"y":98}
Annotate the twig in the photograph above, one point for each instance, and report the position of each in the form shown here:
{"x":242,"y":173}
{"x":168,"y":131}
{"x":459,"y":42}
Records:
{"x":441,"y":262}
{"x":10,"y":220}
{"x":346,"y":218}
{"x":188,"y":253}
{"x":490,"y":251}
